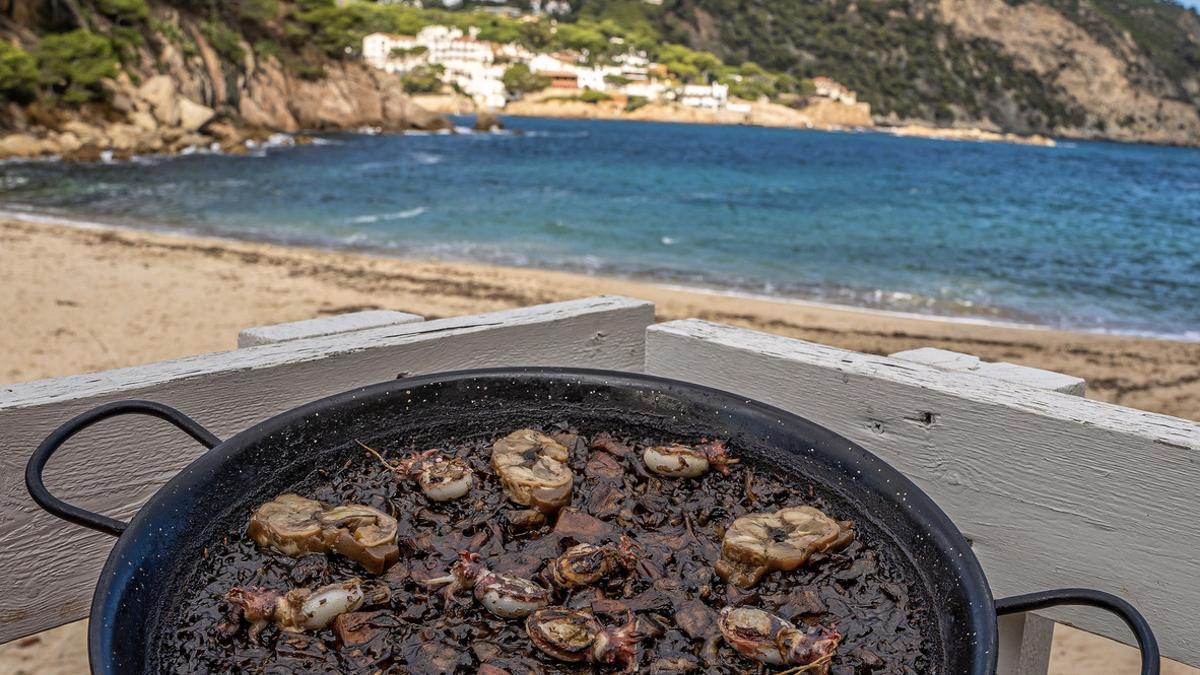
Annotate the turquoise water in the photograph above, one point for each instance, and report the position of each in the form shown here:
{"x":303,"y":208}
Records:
{"x":1084,"y":235}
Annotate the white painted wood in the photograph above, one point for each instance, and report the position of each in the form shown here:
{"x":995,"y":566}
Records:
{"x":326,"y":325}
{"x":1053,"y":490}
{"x":50,"y":567}
{"x":1009,"y":372}
{"x":1025,"y":641}
{"x":939,"y":358}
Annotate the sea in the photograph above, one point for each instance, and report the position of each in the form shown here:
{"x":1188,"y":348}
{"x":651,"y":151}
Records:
{"x":1086,"y":235}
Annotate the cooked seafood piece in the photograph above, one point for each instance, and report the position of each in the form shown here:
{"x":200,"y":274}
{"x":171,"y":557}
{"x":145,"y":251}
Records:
{"x":762,"y":542}
{"x":587,"y":564}
{"x":297,"y":525}
{"x":533,"y":470}
{"x":505,"y":596}
{"x":764,"y":637}
{"x":681,"y":461}
{"x":441,"y":479}
{"x":297,"y":610}
{"x":576,"y":636}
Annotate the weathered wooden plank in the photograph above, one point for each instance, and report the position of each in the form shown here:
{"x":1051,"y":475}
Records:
{"x":51,"y":567}
{"x":326,"y":325}
{"x":1025,"y":641}
{"x":1001,"y":370}
{"x":1053,"y":490}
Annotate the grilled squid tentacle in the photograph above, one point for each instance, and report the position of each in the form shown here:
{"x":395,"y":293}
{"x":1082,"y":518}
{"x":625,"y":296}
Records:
{"x":576,"y":636}
{"x":440,"y":479}
{"x":758,"y":543}
{"x":505,"y":596}
{"x":586,"y":564}
{"x":297,"y":610}
{"x":764,"y":637}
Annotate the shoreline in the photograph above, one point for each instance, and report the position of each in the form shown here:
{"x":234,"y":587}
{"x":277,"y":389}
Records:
{"x":89,"y":298}
{"x":317,"y":244}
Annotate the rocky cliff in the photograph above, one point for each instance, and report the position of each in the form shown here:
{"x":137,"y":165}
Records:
{"x":174,"y":89}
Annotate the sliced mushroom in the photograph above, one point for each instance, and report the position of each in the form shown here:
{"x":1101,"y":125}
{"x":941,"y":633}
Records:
{"x":297,"y":610}
{"x":296,"y":525}
{"x":764,"y":637}
{"x":533,"y":470}
{"x":586,"y":564}
{"x":576,"y":636}
{"x":682,"y":461}
{"x":762,"y":542}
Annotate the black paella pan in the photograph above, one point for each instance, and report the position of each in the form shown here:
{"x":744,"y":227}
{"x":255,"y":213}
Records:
{"x":157,"y":552}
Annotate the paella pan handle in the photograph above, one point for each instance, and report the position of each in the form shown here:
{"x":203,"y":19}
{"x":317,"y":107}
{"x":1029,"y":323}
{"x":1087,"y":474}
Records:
{"x":1086,"y":596}
{"x":74,"y":514}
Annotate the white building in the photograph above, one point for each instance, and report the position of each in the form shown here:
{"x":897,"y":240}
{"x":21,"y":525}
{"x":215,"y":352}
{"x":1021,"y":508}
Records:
{"x":708,"y":96}
{"x":466,"y":61}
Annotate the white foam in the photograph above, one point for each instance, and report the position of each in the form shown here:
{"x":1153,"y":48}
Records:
{"x":396,"y":215}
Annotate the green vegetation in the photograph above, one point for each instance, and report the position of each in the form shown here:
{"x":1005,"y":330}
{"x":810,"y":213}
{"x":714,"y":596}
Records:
{"x":72,"y":65}
{"x":897,"y":57}
{"x":18,"y":73}
{"x":636,"y":102}
{"x":124,"y":11}
{"x":224,"y":39}
{"x":257,"y":11}
{"x":593,"y":96}
{"x":423,"y":80}
{"x":518,"y":79}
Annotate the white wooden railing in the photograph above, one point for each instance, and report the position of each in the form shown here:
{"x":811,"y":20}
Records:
{"x":1052,"y":489}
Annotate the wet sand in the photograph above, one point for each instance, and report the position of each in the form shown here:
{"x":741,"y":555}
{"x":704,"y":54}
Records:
{"x":87,"y":299}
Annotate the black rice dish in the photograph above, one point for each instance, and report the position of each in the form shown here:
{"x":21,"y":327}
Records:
{"x":618,"y":564}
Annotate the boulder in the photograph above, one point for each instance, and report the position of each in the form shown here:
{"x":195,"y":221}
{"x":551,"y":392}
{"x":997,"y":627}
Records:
{"x":124,"y":136}
{"x":192,"y":115}
{"x":486,"y":120}
{"x":21,"y":145}
{"x":67,"y":142}
{"x":85,"y":153}
{"x":160,"y":92}
{"x":85,"y":132}
{"x":143,"y":120}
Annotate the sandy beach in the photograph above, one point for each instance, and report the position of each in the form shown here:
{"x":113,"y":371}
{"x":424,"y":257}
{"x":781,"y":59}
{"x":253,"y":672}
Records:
{"x":88,"y":299}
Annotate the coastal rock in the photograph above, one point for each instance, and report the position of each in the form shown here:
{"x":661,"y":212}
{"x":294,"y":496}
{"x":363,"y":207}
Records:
{"x":193,"y":116}
{"x":123,"y":136}
{"x":86,"y":133}
{"x":143,"y":120}
{"x":21,"y":145}
{"x":160,"y":92}
{"x":486,"y":120}
{"x":67,"y":142}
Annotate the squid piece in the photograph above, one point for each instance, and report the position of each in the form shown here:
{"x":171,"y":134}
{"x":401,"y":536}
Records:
{"x":533,"y":470}
{"x":440,"y":479}
{"x":586,"y":564}
{"x":296,"y":525}
{"x":297,"y":610}
{"x":682,"y":461}
{"x":576,"y":636}
{"x":767,"y":638}
{"x":763,"y":542}
{"x":506,"y":597}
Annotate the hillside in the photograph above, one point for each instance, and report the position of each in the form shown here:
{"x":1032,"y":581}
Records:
{"x":82,"y":78}
{"x":1127,"y":70}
